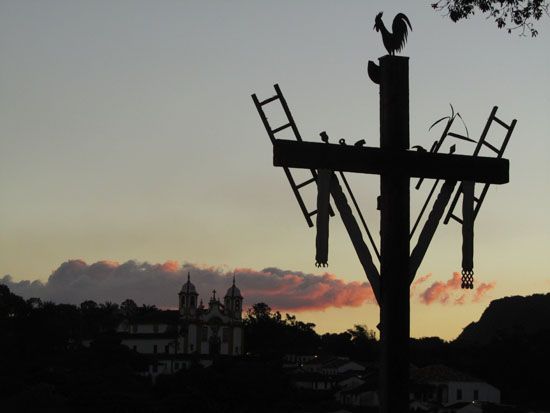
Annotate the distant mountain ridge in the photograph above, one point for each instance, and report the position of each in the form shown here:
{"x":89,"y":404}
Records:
{"x":516,"y":315}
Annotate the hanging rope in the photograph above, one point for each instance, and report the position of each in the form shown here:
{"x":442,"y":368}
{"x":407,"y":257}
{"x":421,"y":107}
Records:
{"x":468,"y":235}
{"x":323,"y":207}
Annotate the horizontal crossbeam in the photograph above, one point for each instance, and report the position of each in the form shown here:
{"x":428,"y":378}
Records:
{"x":312,"y":155}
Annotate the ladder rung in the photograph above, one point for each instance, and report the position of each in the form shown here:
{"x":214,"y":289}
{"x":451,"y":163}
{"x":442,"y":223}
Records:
{"x":476,"y":199}
{"x":305,"y":183}
{"x":501,"y":123}
{"x":280,"y":128}
{"x":310,"y":214}
{"x":490,"y":146}
{"x":457,"y":219}
{"x":269,"y":100}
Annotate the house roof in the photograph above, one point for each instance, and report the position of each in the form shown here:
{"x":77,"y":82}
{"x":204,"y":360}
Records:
{"x":457,"y":405}
{"x":147,"y":336}
{"x":365,"y":387}
{"x":347,"y":374}
{"x":337,"y":363}
{"x":320,"y":360}
{"x":158,"y":317}
{"x":440,"y":373}
{"x":309,"y":376}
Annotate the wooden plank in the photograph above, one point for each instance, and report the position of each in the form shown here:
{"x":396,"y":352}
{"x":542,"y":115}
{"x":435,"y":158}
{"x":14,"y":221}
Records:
{"x":355,"y":235}
{"x":430,"y":227}
{"x":313,"y":155}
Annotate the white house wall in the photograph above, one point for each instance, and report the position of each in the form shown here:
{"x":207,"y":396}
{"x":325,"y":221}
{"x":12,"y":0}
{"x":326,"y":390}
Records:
{"x":486,"y":392}
{"x":237,"y":340}
{"x":148,"y":328}
{"x":192,"y":339}
{"x":147,"y":346}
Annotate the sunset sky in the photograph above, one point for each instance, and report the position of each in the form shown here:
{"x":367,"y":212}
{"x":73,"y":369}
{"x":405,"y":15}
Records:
{"x":128,"y":139}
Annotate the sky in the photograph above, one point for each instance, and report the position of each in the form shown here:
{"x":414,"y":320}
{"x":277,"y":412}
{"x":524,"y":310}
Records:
{"x":131,"y":152}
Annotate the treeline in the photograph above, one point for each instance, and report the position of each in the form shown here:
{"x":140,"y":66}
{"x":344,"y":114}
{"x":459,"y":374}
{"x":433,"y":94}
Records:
{"x":515,"y":361}
{"x":271,"y":335}
{"x":42,"y":358}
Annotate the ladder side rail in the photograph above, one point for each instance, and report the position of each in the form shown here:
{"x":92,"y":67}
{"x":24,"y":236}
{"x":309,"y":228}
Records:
{"x":507,"y":138}
{"x":499,"y":152}
{"x":480,"y":199}
{"x":287,"y":113}
{"x":485,"y":131}
{"x":271,"y":133}
{"x":477,"y":149}
{"x":355,"y":235}
{"x":263,"y":117}
{"x":298,"y":137}
{"x":289,"y":176}
{"x":298,"y":197}
{"x":510,"y":130}
{"x":430,"y":227}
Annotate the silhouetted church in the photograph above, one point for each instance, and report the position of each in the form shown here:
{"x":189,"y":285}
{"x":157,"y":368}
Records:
{"x":216,"y":329}
{"x":195,"y":331}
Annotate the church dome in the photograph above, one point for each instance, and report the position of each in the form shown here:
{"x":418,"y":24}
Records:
{"x":233,"y":291}
{"x":188,"y":287}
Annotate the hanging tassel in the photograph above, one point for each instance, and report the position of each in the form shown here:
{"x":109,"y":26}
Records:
{"x":468,"y":235}
{"x":323,"y":206}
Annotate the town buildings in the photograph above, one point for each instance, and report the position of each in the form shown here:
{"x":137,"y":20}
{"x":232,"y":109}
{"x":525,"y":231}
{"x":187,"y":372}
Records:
{"x":196,"y":332}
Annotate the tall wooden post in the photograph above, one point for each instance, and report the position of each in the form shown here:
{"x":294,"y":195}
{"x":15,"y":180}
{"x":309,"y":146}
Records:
{"x":394,"y":232}
{"x":395,"y":164}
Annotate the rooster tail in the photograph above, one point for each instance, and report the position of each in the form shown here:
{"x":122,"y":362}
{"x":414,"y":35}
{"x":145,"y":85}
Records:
{"x":400,"y":30}
{"x":401,"y":16}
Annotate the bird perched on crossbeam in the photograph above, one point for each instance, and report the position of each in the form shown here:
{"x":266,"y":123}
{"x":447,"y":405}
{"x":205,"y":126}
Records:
{"x":393,"y":42}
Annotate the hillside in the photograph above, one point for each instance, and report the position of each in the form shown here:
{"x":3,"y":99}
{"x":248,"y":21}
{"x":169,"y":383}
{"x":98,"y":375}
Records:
{"x":509,"y":316}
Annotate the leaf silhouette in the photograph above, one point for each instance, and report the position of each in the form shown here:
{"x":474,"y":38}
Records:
{"x":437,"y":121}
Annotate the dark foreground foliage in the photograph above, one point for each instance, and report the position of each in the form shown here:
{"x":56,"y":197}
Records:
{"x":45,"y":367}
{"x":507,"y":14}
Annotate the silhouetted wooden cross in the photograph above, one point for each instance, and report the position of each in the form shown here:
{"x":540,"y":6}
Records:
{"x":395,"y":164}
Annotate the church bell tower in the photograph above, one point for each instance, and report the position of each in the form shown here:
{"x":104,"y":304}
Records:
{"x":188,"y":298}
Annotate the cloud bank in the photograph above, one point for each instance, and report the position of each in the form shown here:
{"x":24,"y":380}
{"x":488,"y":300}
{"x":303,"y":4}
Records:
{"x":76,"y":281}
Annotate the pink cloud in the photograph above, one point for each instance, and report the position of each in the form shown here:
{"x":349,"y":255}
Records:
{"x":439,"y":291}
{"x":483,"y":289}
{"x":419,"y":280}
{"x":448,"y":292}
{"x":297,"y":291}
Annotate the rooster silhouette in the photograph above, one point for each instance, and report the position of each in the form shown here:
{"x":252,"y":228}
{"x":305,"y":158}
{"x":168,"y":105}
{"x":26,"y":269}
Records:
{"x":393,"y":42}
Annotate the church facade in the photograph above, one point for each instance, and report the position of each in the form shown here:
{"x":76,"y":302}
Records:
{"x":215,"y":329}
{"x":194,"y":332}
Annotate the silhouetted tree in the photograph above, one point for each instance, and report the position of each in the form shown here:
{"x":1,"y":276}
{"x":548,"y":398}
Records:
{"x":129,"y":309}
{"x":270,"y":336}
{"x":259,"y":312}
{"x":11,"y":305}
{"x":509,"y":14}
{"x":34,"y":302}
{"x":88,"y":306}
